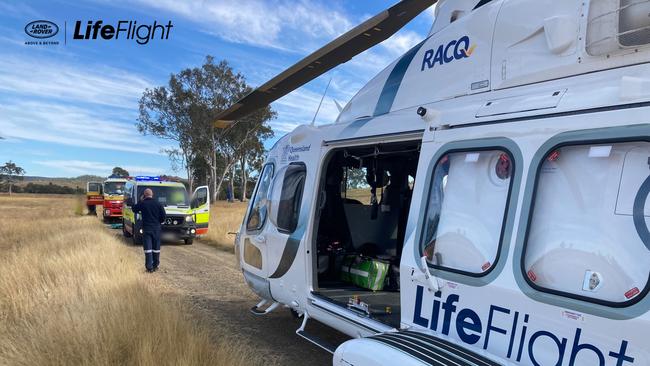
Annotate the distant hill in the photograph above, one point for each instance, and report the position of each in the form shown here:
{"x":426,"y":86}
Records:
{"x":74,"y":182}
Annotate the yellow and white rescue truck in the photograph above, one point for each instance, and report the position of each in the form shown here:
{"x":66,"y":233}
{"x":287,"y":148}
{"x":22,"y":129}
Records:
{"x":93,"y":196}
{"x":186,"y":218}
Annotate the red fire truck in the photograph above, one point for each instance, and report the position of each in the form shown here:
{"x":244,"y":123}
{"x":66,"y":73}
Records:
{"x":113,"y":198}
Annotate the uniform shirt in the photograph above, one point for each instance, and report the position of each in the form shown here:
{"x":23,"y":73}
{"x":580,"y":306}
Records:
{"x":153,"y":213}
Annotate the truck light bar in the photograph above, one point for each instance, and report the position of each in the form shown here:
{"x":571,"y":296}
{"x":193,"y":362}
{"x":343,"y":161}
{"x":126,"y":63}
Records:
{"x":144,"y":178}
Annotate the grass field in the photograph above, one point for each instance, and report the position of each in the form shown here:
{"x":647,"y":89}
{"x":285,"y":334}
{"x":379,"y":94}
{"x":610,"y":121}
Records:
{"x":74,"y":294}
{"x":225,"y":218}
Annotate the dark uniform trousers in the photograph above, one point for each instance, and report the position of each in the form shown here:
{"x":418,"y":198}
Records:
{"x":151,"y":242}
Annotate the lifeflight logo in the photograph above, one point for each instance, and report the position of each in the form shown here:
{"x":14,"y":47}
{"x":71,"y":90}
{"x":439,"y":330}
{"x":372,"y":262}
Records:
{"x":125,"y":29}
{"x":444,"y":54}
{"x":513,"y":327}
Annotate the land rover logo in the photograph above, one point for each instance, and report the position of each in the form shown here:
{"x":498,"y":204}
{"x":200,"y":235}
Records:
{"x":41,"y":29}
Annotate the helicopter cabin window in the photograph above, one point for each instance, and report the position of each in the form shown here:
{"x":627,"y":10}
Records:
{"x":365,"y":196}
{"x":285,"y":212}
{"x":588,"y":235}
{"x":466,"y":211}
{"x":258,"y":210}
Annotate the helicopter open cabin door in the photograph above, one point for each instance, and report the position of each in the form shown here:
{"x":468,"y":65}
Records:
{"x":201,"y":209}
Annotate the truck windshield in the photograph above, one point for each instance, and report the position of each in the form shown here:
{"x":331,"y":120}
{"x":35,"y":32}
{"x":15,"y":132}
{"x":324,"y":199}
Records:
{"x":114,"y":188}
{"x":94,"y":187}
{"x":167,"y":195}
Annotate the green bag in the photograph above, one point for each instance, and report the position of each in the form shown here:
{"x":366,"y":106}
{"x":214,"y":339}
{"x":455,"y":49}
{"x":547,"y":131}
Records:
{"x":364,"y":272}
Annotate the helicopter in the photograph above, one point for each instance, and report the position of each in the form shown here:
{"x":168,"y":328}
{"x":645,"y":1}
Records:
{"x":480,"y":201}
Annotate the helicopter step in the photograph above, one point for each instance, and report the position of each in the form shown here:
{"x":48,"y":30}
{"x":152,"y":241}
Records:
{"x":409,"y":348}
{"x":314,"y":338}
{"x":257,"y":309}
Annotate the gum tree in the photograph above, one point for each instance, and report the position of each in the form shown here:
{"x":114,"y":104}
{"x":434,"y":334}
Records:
{"x":184,"y":110}
{"x":11,"y":173}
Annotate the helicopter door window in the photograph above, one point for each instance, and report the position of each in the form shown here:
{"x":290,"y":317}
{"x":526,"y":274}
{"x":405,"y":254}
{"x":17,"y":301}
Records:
{"x":285,"y":211}
{"x":587,"y":237}
{"x":258,"y":210}
{"x":466,"y":211}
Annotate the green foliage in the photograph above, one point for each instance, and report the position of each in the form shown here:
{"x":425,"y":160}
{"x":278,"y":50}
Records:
{"x":11,"y":173}
{"x":356,"y":178}
{"x":184,"y":111}
{"x":120,"y":172}
{"x":50,"y":188}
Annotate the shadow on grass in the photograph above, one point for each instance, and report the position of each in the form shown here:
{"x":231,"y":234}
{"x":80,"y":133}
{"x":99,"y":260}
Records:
{"x":224,"y":247}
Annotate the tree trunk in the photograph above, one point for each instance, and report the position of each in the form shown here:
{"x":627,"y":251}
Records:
{"x":190,"y":176}
{"x":232,"y":183}
{"x":190,"y":179}
{"x":219,"y":182}
{"x":244,"y":179}
{"x":213,"y":173}
{"x":10,"y":188}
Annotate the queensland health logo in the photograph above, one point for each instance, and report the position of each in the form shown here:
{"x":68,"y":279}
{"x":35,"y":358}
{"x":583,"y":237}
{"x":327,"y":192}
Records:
{"x":445,"y":53}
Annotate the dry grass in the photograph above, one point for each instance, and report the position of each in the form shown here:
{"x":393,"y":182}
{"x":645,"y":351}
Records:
{"x":225,"y":218}
{"x":361,"y":195}
{"x":73,"y":294}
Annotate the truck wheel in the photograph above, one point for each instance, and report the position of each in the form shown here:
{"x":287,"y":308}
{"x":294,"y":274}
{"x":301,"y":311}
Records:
{"x":137,"y":239}
{"x":189,"y":241}
{"x":124,"y":232}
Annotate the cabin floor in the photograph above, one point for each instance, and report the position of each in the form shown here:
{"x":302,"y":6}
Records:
{"x":384,"y":305}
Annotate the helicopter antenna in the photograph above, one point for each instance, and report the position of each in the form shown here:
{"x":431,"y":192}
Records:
{"x":321,"y":101}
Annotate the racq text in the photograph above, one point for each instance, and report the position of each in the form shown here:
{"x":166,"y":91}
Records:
{"x":128,"y":29}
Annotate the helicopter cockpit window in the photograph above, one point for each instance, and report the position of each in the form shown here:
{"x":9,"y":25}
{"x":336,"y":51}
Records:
{"x":588,"y":236}
{"x":258,"y":211}
{"x":466,"y":210}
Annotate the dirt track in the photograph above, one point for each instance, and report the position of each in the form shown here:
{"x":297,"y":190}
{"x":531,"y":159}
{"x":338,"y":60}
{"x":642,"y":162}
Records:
{"x":208,"y":280}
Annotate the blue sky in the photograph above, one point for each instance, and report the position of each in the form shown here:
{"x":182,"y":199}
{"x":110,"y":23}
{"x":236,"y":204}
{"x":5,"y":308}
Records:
{"x":70,"y":109}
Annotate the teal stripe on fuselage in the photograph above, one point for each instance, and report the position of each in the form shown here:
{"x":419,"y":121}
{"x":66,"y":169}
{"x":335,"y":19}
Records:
{"x":388,"y":92}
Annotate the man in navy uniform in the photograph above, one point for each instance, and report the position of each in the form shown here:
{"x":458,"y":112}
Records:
{"x":153,"y":215}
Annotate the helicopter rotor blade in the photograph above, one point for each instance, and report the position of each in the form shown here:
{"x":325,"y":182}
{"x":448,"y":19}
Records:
{"x":357,"y":40}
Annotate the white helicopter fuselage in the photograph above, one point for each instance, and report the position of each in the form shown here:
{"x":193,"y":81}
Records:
{"x":545,"y":264}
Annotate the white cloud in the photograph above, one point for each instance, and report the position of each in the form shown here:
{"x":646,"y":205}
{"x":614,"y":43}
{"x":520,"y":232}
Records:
{"x":55,"y":80}
{"x":295,"y":26}
{"x":401,"y":42}
{"x":93,"y":167}
{"x":17,"y":9}
{"x":69,"y":125}
{"x":281,"y":24}
{"x":91,"y":106}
